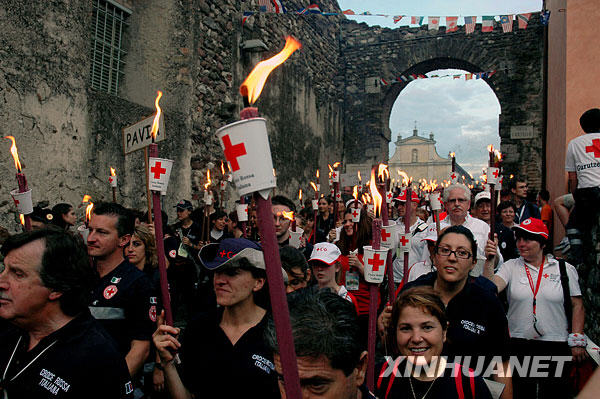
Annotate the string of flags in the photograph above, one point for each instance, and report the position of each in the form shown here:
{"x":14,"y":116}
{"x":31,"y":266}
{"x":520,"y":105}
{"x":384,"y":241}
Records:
{"x":433,"y":22}
{"x":410,"y":77}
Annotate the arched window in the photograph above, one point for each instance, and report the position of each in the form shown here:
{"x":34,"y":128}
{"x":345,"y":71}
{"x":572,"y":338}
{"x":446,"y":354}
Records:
{"x":415,"y":156}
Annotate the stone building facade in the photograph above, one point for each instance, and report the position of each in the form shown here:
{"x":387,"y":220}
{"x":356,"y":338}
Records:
{"x":418,"y":158}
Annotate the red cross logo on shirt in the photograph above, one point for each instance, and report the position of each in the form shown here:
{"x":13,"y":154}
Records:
{"x":233,"y":152}
{"x":546,"y":275}
{"x":158,"y":170}
{"x":496,"y":173}
{"x":110,"y":291}
{"x":403,"y":241}
{"x":355,"y":213}
{"x":385,"y":235}
{"x":595,"y":148}
{"x":375,"y":262}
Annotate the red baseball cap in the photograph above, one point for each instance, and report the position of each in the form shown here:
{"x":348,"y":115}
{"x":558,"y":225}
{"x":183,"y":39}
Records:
{"x":402,"y":197}
{"x":533,"y":226}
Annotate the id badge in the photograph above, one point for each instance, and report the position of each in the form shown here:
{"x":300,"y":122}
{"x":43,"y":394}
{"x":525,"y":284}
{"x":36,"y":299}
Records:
{"x":182,"y":251}
{"x":352,"y":280}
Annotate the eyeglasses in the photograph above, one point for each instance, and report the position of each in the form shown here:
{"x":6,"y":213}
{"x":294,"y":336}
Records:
{"x":459,"y":200}
{"x":459,"y":253}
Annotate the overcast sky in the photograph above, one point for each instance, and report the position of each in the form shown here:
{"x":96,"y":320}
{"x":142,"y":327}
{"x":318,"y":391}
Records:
{"x":463,"y":115}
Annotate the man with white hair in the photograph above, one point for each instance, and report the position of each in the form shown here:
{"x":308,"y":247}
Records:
{"x":457,"y":200}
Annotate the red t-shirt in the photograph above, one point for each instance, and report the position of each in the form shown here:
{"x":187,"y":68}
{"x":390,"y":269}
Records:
{"x":361,"y":296}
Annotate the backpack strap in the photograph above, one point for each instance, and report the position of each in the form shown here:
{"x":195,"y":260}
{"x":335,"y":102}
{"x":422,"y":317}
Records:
{"x":564,"y":282}
{"x":458,"y":381}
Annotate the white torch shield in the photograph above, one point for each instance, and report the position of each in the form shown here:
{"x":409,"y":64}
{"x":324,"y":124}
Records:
{"x":23,"y":201}
{"x":371,"y":208}
{"x":335,"y":176}
{"x":159,"y":173}
{"x":338,"y":196}
{"x":375,"y":260}
{"x":295,"y":238}
{"x":242,"y":212}
{"x":388,"y":197}
{"x":315,"y":205}
{"x":404,"y":242}
{"x":493,"y":175}
{"x":434,"y":201}
{"x":318,"y":188}
{"x":112,"y":180}
{"x":389,"y":235}
{"x":246,"y":147}
{"x":355,"y":215}
{"x":223,"y":185}
{"x":84,"y":232}
{"x":453,"y":178}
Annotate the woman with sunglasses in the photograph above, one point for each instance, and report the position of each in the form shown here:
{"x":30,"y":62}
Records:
{"x":538,"y":319}
{"x":477,"y":326}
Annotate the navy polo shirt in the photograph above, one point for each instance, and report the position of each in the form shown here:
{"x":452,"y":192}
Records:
{"x":82,"y":362}
{"x":478,"y":325}
{"x":125,"y":304}
{"x":212,"y":364}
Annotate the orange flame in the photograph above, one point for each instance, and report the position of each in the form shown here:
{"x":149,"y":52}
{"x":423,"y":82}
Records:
{"x":355,"y":192}
{"x":15,"y":154}
{"x":336,"y":165}
{"x":112,"y":171}
{"x":255,"y":82}
{"x":405,"y":179}
{"x":157,"y":116}
{"x":330,"y":168}
{"x":88,"y":211}
{"x":208,"y":181}
{"x":452,"y":154}
{"x":314,"y":186}
{"x":490,"y":148}
{"x":377,"y":199}
{"x":222,"y":168}
{"x":22,"y":219}
{"x":317,"y":174}
{"x":383,"y":172}
{"x":86,"y":198}
{"x":288,"y":215}
{"x":359,"y":177}
{"x":300,"y":195}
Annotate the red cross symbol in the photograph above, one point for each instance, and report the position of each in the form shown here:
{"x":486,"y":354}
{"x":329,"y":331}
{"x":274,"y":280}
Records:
{"x":385,"y":235}
{"x":110,"y":179}
{"x":496,"y":173}
{"x":403,"y":241}
{"x":222,"y":254}
{"x":453,"y":176}
{"x":158,"y":170}
{"x":376,"y":262}
{"x":233,"y":152}
{"x":546,"y":275}
{"x":17,"y":202}
{"x":595,"y":148}
{"x":389,"y":196}
{"x":333,"y":175}
{"x":110,"y":290}
{"x":355,"y":213}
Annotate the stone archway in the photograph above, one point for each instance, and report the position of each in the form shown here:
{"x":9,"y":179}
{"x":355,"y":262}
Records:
{"x":370,"y":53}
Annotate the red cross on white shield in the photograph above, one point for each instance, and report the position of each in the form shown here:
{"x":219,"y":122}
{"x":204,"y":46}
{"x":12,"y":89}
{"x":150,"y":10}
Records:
{"x":159,"y":173}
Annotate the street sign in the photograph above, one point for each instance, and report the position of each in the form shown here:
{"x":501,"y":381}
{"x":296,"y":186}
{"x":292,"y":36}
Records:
{"x":138,"y":136}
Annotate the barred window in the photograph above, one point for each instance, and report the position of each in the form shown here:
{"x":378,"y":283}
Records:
{"x":109,"y":21}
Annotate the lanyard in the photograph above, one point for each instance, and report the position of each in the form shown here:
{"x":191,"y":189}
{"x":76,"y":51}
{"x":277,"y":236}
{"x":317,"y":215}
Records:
{"x":521,"y":213}
{"x":28,"y":364}
{"x":537,"y":286}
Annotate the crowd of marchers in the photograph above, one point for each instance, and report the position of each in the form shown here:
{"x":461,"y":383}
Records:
{"x":83,"y":317}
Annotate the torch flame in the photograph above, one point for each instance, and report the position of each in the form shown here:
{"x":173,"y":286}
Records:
{"x":336,"y":165}
{"x":314,"y":186}
{"x":355,"y":192}
{"x":222,"y":168}
{"x":359,"y":177}
{"x":317,"y":174}
{"x":15,"y":154}
{"x":208,"y":181}
{"x":405,"y":179}
{"x":112,"y":171}
{"x":300,"y":195}
{"x":22,"y":219}
{"x":288,"y":215}
{"x":452,"y":154}
{"x":88,"y":211}
{"x":86,"y":198}
{"x":254,"y":83}
{"x":377,"y":199}
{"x":330,"y":168}
{"x":157,"y":116}
{"x":490,"y":148}
{"x":383,"y":172}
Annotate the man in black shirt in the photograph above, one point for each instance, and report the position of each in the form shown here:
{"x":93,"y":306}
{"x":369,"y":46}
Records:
{"x":54,"y":348}
{"x":124,"y":299}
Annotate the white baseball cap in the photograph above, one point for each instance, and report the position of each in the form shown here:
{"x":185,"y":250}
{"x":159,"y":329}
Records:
{"x":325,"y":252}
{"x":483,"y":195}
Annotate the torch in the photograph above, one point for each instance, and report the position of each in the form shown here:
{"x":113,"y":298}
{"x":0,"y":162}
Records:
{"x":207,"y":204}
{"x":300,"y":198}
{"x":374,"y":257}
{"x":159,"y":173}
{"x":22,"y":196}
{"x":407,"y":216}
{"x":315,"y":204}
{"x":246,"y":147}
{"x":335,"y":178}
{"x":493,"y":177}
{"x":112,"y":179}
{"x":389,"y":229}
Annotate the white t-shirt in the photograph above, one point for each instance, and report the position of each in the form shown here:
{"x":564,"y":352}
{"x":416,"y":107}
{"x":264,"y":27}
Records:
{"x":416,"y":250}
{"x":583,"y":157}
{"x":419,"y":269}
{"x":550,"y":308}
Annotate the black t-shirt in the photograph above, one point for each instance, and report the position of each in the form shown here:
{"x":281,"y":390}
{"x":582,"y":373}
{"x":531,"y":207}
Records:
{"x":391,"y":385}
{"x":478,"y":325}
{"x":324,"y":226}
{"x":82,"y":362}
{"x":125,"y":304}
{"x":194,"y":232}
{"x":507,"y":242}
{"x":211,"y":364}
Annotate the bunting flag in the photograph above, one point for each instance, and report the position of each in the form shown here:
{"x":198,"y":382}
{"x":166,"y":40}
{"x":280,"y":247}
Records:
{"x":245,"y":16}
{"x":545,"y":17}
{"x":451,"y":24}
{"x":314,"y":9}
{"x":468,"y":76}
{"x":348,"y":12}
{"x":507,"y":23}
{"x":523,"y":20}
{"x":265,"y":6}
{"x":488,"y":23}
{"x":279,"y":8}
{"x":416,"y":20}
{"x":470,"y":24}
{"x":398,"y":18}
{"x":433,"y":23}
{"x":383,"y":82}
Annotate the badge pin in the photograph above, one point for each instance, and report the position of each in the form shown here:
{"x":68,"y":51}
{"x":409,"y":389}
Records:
{"x":115,"y":280}
{"x":110,"y":291}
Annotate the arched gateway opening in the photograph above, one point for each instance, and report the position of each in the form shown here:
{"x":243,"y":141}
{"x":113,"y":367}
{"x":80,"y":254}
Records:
{"x":371,"y":54}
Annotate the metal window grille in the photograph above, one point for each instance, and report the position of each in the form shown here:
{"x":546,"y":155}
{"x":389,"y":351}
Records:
{"x":108,"y":28}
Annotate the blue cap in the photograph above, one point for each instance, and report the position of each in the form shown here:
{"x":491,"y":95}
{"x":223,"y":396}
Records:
{"x":184,"y":204}
{"x":216,"y":255}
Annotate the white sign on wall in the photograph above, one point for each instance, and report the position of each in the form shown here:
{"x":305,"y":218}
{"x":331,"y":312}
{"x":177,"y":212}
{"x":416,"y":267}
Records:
{"x":138,"y":136}
{"x":522,"y":132}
